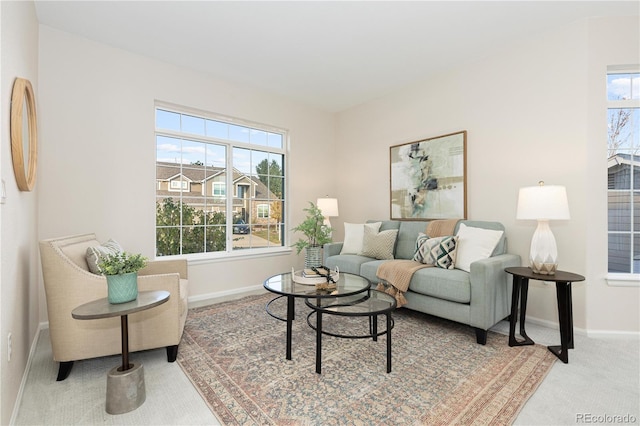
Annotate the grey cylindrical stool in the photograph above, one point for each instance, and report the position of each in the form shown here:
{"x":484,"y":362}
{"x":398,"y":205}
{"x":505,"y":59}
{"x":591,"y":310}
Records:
{"x":125,"y":389}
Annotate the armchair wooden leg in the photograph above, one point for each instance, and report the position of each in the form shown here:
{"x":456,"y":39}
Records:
{"x":172,"y":353}
{"x":64,"y":370}
{"x":481,"y":336}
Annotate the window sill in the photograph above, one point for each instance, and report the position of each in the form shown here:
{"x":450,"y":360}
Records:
{"x":623,"y":280}
{"x":201,"y":258}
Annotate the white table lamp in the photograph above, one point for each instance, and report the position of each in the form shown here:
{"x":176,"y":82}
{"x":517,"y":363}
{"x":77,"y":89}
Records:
{"x":329,"y":208}
{"x":543,"y":203}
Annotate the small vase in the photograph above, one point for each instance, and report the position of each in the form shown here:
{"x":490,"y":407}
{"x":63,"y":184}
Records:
{"x":122,"y":288}
{"x":312,"y":257}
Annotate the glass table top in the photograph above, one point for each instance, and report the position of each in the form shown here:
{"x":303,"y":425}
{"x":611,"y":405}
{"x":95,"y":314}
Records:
{"x":348,"y":284}
{"x":370,"y":302}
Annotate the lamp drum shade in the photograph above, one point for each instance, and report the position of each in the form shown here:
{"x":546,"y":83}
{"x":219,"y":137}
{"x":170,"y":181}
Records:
{"x":546,"y":202}
{"x":328,"y":206}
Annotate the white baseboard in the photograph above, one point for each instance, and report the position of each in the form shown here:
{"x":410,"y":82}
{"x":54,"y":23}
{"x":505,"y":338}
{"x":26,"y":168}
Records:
{"x":585,"y":332}
{"x":224,"y":296}
{"x":25,"y":374}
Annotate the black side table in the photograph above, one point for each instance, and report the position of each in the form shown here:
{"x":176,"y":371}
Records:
{"x":563,"y":280}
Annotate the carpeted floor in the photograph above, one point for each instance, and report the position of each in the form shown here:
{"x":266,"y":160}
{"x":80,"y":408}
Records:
{"x":234,"y":353}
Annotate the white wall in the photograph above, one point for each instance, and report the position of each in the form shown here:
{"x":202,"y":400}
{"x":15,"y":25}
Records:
{"x":97,"y":172}
{"x":526,"y":112}
{"x":18,"y":231}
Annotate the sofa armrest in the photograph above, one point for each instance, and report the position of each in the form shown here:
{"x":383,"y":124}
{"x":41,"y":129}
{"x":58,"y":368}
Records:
{"x":331,"y":249}
{"x":491,"y":290}
{"x":158,"y":267}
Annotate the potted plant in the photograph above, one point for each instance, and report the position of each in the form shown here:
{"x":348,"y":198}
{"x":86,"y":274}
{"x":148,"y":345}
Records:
{"x":121,"y":271}
{"x":316,"y":234}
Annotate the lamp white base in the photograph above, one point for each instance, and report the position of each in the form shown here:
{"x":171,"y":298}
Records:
{"x":544,"y":252}
{"x":544,"y":268}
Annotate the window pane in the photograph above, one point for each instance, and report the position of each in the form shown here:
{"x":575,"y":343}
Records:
{"x":274,"y":140}
{"x":238,"y":133}
{"x":242,"y":160}
{"x":260,"y":162}
{"x":216,"y":156}
{"x":276,"y":186}
{"x":619,"y":86}
{"x":216,"y":129}
{"x":167,"y":120}
{"x":216,"y":238}
{"x":622,"y":126}
{"x":619,"y":253}
{"x":619,"y":211}
{"x":193,"y":152}
{"x":167,"y":241}
{"x":168,"y":149}
{"x":258,"y":137}
{"x":192,"y":124}
{"x":275,"y":162}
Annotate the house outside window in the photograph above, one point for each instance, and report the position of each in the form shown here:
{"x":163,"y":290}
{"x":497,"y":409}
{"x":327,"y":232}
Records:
{"x":179,"y":185}
{"x":623,"y":153}
{"x":219,"y":189}
{"x":198,"y":156}
{"x":263,"y":210}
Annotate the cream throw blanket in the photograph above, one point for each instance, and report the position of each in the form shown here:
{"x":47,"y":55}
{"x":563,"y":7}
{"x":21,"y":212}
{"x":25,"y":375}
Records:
{"x":396,"y":274}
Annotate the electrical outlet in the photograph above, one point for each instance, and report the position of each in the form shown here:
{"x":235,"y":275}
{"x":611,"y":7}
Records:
{"x":9,"y":347}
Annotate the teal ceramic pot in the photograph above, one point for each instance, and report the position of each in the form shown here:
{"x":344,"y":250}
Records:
{"x":122,"y":288}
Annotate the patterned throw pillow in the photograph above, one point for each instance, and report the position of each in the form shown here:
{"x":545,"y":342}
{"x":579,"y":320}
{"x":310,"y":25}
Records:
{"x":378,"y":245}
{"x":95,"y":253}
{"x":439,"y":251}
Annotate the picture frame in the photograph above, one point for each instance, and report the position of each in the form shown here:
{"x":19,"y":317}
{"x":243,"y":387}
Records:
{"x":428,"y":178}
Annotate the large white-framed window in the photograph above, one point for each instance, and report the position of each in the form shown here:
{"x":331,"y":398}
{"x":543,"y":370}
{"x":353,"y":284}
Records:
{"x":213,"y":153}
{"x":623,"y":174}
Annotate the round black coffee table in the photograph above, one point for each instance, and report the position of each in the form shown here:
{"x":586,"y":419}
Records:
{"x":285,"y":286}
{"x":369,"y":304}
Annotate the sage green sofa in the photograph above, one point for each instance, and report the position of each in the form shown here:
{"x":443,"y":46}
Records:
{"x":479,"y":298}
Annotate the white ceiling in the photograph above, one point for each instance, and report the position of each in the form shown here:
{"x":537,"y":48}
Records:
{"x":330,"y":54}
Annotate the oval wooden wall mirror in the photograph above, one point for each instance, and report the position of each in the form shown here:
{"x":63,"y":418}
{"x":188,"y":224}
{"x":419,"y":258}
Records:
{"x":24,"y":134}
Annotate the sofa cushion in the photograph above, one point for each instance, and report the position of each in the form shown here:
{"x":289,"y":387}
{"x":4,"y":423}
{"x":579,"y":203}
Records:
{"x":447,"y":284}
{"x":475,"y":244}
{"x":347,"y":262}
{"x":438,"y":251}
{"x":379,"y":245}
{"x":369,"y":270}
{"x":95,"y":253}
{"x":407,"y":234}
{"x":354,"y":236}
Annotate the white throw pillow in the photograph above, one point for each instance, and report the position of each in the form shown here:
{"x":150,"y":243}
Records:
{"x":474,"y":244}
{"x":354,"y":236}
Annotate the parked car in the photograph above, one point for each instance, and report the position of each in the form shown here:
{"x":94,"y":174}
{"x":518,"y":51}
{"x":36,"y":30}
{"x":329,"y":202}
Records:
{"x":240,"y":227}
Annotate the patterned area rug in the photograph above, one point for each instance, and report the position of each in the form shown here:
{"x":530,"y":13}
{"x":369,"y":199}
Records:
{"x":234,"y":353}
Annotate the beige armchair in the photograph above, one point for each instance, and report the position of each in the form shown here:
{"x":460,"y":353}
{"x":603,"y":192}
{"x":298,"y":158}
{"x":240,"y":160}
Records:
{"x":68,"y":284}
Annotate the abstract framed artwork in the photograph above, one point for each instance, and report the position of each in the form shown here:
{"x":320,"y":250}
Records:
{"x":428,"y":178}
